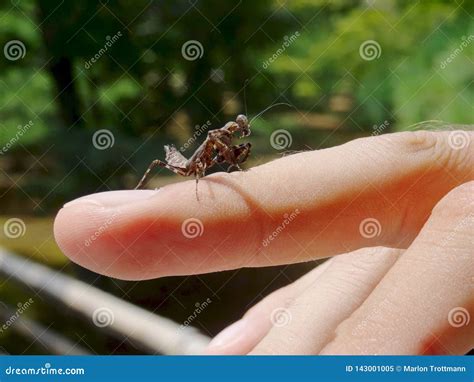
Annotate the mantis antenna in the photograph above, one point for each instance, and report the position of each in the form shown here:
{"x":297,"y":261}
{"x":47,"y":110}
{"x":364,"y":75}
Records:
{"x":268,"y":108}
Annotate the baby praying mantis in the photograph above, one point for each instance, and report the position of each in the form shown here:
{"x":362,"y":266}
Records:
{"x":217,"y":148}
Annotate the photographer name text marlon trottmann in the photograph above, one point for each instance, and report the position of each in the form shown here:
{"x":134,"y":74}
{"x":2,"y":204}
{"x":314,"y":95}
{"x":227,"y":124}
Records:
{"x":434,"y":369}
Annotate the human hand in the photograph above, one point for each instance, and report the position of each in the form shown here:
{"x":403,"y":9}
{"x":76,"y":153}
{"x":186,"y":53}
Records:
{"x":411,"y":191}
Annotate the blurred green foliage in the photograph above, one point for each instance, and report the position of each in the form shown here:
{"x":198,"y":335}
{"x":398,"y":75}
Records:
{"x":146,"y":93}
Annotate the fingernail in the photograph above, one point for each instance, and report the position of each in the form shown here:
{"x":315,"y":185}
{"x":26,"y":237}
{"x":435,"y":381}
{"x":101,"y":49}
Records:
{"x":229,"y":335}
{"x":113,"y":198}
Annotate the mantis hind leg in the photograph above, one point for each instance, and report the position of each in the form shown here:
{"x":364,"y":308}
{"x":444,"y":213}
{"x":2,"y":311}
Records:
{"x":158,"y":163}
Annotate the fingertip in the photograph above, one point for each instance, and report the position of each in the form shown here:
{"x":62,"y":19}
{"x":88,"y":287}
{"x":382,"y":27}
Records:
{"x":140,"y":235}
{"x":234,"y":340}
{"x":76,"y":230}
{"x":84,"y":230}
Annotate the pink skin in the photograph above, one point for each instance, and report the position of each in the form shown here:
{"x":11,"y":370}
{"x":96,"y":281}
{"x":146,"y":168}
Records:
{"x":397,"y":179}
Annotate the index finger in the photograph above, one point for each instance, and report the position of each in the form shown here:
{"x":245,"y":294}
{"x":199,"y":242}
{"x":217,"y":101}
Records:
{"x":375,"y":191}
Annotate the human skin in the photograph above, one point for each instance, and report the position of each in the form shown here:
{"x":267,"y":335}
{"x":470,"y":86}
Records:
{"x":392,"y":292}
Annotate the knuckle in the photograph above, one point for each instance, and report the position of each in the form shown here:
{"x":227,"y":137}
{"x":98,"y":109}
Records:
{"x":447,"y":149}
{"x":415,"y":141}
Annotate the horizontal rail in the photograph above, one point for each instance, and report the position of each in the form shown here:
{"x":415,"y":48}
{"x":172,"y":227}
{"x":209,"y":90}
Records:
{"x":47,"y":338}
{"x":147,"y":330}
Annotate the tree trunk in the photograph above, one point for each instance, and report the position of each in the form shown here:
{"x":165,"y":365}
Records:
{"x":67,"y":97}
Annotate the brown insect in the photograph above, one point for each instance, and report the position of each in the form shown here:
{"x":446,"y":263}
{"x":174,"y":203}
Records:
{"x":217,"y":148}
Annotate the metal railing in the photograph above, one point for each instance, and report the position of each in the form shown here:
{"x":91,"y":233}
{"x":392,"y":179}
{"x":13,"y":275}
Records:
{"x":146,"y":330}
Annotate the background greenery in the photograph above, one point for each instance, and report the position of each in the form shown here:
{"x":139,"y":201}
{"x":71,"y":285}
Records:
{"x":147,"y":94}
